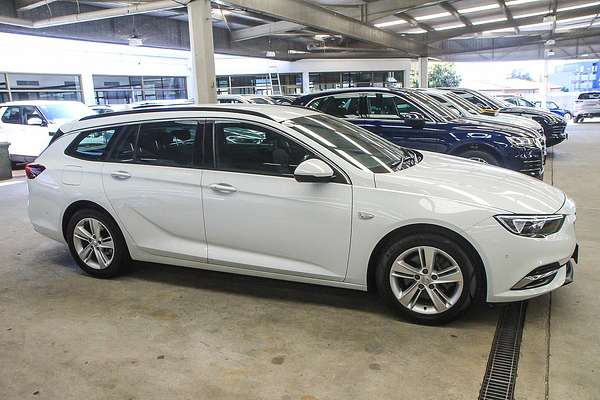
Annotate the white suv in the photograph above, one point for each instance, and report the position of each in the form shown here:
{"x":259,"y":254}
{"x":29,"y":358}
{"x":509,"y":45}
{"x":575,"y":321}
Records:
{"x":290,"y":193}
{"x":29,"y":125}
{"x":587,"y":105}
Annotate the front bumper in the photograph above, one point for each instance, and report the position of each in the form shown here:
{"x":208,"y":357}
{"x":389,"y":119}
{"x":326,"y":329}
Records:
{"x":509,"y":258}
{"x":527,"y":160}
{"x":556,"y":133}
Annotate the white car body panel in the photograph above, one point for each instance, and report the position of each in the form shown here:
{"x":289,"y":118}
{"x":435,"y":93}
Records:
{"x":322,"y":233}
{"x":588,"y":106}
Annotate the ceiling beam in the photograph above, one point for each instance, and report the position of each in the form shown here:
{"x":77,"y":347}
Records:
{"x":383,"y":8}
{"x":413,"y":22}
{"x":309,"y":14}
{"x":450,"y":8}
{"x":264,"y":30}
{"x":26,"y":5}
{"x":508,"y":15}
{"x":451,"y":33}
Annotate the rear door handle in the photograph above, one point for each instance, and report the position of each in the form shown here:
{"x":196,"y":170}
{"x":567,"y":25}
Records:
{"x":223,"y":188}
{"x":121,"y":175}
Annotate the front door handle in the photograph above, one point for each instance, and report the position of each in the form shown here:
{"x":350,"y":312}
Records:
{"x":223,"y":188}
{"x":121,"y":175}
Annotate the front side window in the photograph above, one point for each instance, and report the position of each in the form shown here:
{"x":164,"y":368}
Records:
{"x":93,"y":145}
{"x":29,"y":112}
{"x":12,"y":115}
{"x":384,"y":105}
{"x":342,"y":106}
{"x":251,"y":148}
{"x":356,"y":145}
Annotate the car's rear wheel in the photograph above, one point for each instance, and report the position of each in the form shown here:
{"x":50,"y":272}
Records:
{"x":577,"y":120}
{"x":568,"y":116}
{"x":481,"y":156}
{"x":427,"y":278}
{"x":96,"y":243}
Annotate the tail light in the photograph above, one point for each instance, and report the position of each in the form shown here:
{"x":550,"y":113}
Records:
{"x":33,"y":170}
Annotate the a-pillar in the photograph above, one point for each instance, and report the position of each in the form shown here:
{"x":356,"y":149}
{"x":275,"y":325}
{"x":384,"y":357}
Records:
{"x":203,"y":51}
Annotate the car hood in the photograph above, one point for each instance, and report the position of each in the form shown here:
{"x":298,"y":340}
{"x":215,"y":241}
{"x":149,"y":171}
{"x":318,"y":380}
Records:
{"x":490,"y":123}
{"x":471,"y":182}
{"x":532,"y":111}
{"x":521,"y":121}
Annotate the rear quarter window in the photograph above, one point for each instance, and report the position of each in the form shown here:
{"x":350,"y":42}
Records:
{"x":92,"y":145}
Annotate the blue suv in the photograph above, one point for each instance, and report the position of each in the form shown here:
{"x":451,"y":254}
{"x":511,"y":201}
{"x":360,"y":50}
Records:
{"x":412,"y":119}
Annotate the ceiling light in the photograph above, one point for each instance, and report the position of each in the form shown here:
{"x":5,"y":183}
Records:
{"x":390,"y":23}
{"x":443,"y":28}
{"x":591,"y":16}
{"x":550,"y":52}
{"x":292,"y":51}
{"x":270,"y":53}
{"x":550,"y":42}
{"x":585,"y":55}
{"x":432,"y":16}
{"x":489,"y":21}
{"x":479,"y":8}
{"x":135,"y":41}
{"x":549,"y":19}
{"x":584,"y":5}
{"x":541,"y":24}
{"x":533,"y":14}
{"x":517,"y":2}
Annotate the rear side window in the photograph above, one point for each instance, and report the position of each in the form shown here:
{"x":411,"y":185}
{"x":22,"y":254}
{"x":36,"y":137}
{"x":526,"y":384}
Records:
{"x":166,"y":143}
{"x":92,"y":145}
{"x":589,"y":96}
{"x":339,"y":106}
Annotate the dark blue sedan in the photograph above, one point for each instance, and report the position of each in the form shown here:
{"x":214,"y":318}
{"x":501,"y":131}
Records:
{"x":412,"y":119}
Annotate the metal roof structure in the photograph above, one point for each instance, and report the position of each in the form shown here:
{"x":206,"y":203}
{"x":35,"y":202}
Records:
{"x":454,"y":30}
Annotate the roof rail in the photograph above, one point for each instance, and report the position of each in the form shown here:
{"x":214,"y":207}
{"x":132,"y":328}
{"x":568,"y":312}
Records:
{"x":175,"y":108}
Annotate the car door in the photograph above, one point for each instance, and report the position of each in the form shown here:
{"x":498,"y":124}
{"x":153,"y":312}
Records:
{"x":11,"y":128}
{"x":259,"y":217}
{"x":405,"y":123}
{"x":153,"y":181}
{"x":34,"y":138}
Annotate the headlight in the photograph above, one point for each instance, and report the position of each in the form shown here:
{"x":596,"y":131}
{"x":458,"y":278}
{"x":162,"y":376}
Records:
{"x":533,"y":226}
{"x":521,"y":141}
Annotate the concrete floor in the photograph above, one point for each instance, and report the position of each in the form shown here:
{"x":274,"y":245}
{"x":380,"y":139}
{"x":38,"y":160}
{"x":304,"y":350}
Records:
{"x":167,"y":332}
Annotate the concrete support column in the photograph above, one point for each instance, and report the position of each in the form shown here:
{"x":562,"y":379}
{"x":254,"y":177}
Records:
{"x":544,"y":87}
{"x":87,"y":88}
{"x":5,"y":165}
{"x":423,"y":74}
{"x":305,"y":82}
{"x":203,"y":51}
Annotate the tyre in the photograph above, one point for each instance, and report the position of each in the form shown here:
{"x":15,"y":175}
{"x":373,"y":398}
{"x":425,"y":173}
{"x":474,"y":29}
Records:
{"x":97,"y":244}
{"x":481,"y":156}
{"x":426,"y":278}
{"x":567,"y":116}
{"x":578,"y":120}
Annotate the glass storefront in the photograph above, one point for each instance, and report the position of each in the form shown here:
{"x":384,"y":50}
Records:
{"x":39,"y":87}
{"x":335,"y":80}
{"x":112,"y":89}
{"x":259,"y":84}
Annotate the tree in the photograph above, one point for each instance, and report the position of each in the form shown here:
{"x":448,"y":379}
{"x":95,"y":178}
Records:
{"x":521,"y":74}
{"x":444,"y":75}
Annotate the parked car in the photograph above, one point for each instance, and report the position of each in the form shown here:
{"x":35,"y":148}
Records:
{"x":101,"y":109}
{"x":550,"y":105}
{"x":28,"y":125}
{"x":283,"y":100}
{"x":587,"y":105}
{"x":556,"y":109}
{"x":407,"y":118}
{"x":243,"y":99}
{"x":504,"y":122}
{"x":310,"y":198}
{"x":554,"y":127}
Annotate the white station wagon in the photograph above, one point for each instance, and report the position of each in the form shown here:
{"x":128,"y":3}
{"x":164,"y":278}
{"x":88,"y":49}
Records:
{"x":290,"y":193}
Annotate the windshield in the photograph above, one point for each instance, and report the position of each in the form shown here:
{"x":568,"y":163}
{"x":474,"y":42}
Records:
{"x":467,"y":105}
{"x":435,"y":104}
{"x":356,"y":145}
{"x":64,"y":112}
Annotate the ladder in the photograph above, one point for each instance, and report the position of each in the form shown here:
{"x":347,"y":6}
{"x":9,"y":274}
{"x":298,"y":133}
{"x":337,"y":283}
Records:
{"x":275,"y":84}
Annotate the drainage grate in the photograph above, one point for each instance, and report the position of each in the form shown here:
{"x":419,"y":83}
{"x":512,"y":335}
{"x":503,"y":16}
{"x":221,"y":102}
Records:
{"x":501,"y":373}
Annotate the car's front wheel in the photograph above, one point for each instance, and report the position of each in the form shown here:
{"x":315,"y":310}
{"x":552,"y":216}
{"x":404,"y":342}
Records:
{"x":428,"y":278}
{"x":568,"y":116}
{"x":480,"y":156}
{"x":96,"y":243}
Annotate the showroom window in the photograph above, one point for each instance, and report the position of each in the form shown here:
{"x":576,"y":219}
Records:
{"x":112,"y":89}
{"x":249,"y":148}
{"x":333,"y":80}
{"x":39,"y":87}
{"x":260,"y":84}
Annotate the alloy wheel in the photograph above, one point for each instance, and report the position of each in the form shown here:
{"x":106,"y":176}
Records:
{"x":93,"y":243}
{"x":426,"y":280}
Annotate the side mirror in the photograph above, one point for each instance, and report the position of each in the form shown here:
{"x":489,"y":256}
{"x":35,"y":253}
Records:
{"x":415,"y":120}
{"x":313,"y":170}
{"x":35,"y":121}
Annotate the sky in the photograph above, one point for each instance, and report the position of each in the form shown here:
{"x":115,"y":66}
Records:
{"x":471,"y":72}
